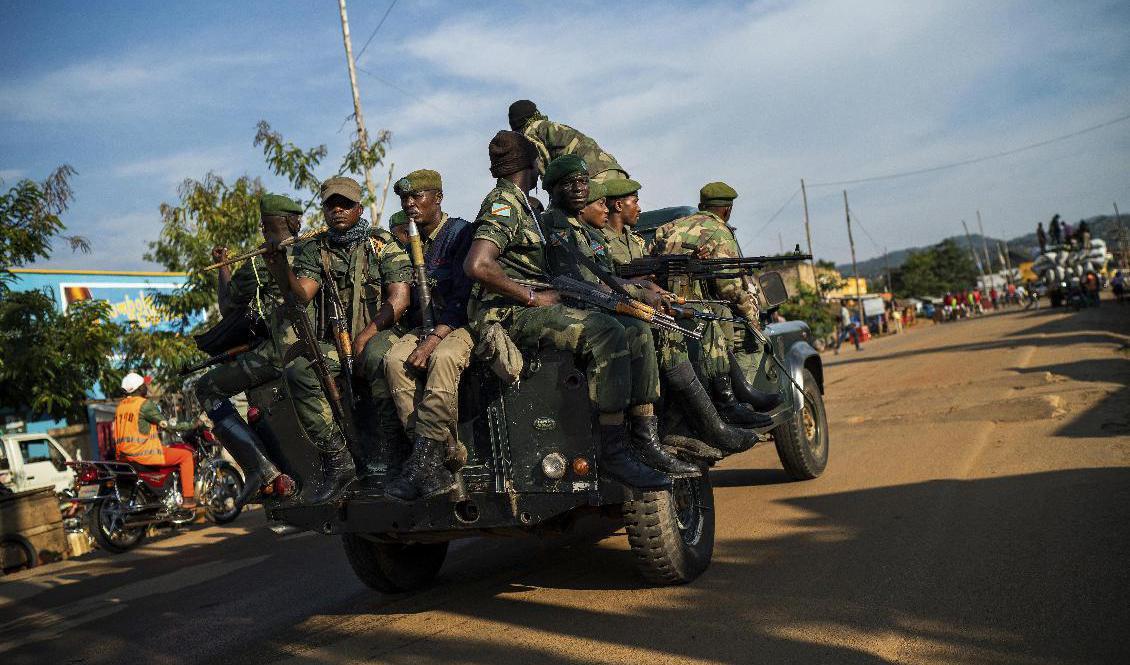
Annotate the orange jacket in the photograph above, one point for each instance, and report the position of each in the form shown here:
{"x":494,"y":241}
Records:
{"x":130,"y":442}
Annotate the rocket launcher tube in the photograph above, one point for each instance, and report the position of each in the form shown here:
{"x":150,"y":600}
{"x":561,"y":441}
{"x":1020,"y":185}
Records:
{"x":423,"y":292}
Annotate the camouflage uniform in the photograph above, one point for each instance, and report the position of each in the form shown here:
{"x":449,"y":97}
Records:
{"x":553,"y":139}
{"x":705,"y":229}
{"x":507,"y":220}
{"x":360,"y":275}
{"x":625,"y":246}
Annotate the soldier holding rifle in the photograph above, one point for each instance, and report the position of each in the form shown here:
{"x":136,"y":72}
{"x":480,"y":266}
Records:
{"x":358,"y":279}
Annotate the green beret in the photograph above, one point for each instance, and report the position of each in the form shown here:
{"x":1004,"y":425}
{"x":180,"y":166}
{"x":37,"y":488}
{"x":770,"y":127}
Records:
{"x":419,"y":180}
{"x":565,"y":165}
{"x":620,"y":187}
{"x":277,"y":204}
{"x":717,"y":194}
{"x":596,"y":192}
{"x":397,"y":219}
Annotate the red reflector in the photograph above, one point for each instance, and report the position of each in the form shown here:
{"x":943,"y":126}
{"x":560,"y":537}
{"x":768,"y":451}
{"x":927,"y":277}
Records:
{"x":88,"y":475}
{"x":211,"y":438}
{"x":253,"y":414}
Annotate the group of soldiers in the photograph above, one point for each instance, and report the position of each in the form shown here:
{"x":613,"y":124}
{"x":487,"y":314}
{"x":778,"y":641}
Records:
{"x":486,"y":295}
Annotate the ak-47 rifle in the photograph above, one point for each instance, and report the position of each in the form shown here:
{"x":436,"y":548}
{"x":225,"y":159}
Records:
{"x":224,"y":357}
{"x":313,"y":352}
{"x":343,"y":338}
{"x":423,"y":292}
{"x":666,"y":266}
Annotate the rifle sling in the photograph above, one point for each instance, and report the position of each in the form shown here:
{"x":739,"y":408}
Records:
{"x":591,"y":265}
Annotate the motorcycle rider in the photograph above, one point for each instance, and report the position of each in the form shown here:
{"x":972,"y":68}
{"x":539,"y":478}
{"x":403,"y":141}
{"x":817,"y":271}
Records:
{"x":136,"y":422}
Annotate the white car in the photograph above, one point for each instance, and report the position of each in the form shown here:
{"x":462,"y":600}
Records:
{"x":31,"y":461}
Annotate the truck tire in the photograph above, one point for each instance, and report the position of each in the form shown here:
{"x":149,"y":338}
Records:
{"x":802,"y":442}
{"x":393,"y":567}
{"x":671,"y":533}
{"x":109,"y":533}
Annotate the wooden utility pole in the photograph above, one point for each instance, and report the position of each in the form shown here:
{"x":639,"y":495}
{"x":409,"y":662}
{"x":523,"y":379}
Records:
{"x":854,"y":268}
{"x":362,"y":135}
{"x":780,"y":242}
{"x":984,"y":247}
{"x":384,"y":194}
{"x":808,"y":237}
{"x":1123,"y":260}
{"x":976,"y":259}
{"x":1003,"y":249}
{"x":887,"y":266}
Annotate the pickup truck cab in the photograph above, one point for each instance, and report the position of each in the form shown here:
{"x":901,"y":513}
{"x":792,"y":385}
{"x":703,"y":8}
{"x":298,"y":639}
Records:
{"x":32,"y":461}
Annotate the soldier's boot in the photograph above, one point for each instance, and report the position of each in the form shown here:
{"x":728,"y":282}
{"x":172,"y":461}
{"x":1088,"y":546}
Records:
{"x":260,"y":475}
{"x":704,"y":420}
{"x":395,"y":445}
{"x":644,"y":443}
{"x":425,"y":472}
{"x":733,"y":410}
{"x":617,"y":462}
{"x":337,"y":469}
{"x":744,"y":390}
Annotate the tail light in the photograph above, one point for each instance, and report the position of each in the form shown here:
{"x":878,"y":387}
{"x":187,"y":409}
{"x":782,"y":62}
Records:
{"x":207,"y":435}
{"x":87,"y":474}
{"x":254,"y":414}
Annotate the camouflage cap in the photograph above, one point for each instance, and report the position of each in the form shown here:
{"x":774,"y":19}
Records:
{"x":277,"y":204}
{"x":342,"y":185}
{"x":717,"y":194}
{"x":620,"y":187}
{"x":596,"y":192}
{"x":397,"y":219}
{"x":565,"y":165}
{"x":419,"y":180}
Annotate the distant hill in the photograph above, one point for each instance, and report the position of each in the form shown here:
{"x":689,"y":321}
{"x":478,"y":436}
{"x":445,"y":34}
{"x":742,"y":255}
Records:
{"x":1022,"y":248}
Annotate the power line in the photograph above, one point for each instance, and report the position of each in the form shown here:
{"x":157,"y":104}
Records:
{"x":779,"y":210}
{"x":379,"y":24}
{"x":974,"y":160}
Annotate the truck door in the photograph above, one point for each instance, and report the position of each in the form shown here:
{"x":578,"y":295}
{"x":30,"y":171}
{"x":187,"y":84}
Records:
{"x":43,"y":464}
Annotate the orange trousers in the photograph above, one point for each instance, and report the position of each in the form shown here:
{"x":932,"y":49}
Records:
{"x":183,"y":459}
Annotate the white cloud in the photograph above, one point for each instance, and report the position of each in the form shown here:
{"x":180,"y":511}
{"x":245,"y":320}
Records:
{"x":172,"y":169}
{"x":9,"y":175}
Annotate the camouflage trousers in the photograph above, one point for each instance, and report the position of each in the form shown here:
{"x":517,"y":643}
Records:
{"x":707,"y":355}
{"x":310,"y":403}
{"x":619,"y":352}
{"x":248,"y":370}
{"x":428,"y":403}
{"x":745,"y":347}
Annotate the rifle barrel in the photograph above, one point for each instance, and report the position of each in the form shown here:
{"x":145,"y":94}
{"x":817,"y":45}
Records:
{"x":309,"y":235}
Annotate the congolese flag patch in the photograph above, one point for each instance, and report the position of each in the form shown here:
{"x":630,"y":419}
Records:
{"x":500,"y":210}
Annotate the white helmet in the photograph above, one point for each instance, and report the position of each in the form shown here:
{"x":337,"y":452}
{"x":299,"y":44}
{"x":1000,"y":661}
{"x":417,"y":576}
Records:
{"x":132,"y":381}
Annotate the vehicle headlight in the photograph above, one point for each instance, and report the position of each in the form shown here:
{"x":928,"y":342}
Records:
{"x":553,"y":466}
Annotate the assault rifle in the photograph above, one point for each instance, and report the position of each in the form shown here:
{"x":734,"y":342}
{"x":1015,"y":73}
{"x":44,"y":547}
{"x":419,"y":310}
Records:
{"x":666,"y":266}
{"x":224,"y":357}
{"x":343,"y":340}
{"x":310,"y":349}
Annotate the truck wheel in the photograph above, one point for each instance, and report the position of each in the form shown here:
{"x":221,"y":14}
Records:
{"x":392,"y":567}
{"x":672,"y":532}
{"x":802,"y":442}
{"x":111,"y":534}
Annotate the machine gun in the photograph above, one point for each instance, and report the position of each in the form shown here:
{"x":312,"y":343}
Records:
{"x":423,"y":292}
{"x":665,"y":266}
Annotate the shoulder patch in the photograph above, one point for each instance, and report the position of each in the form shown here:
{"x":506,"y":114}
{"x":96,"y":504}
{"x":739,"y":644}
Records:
{"x":500,"y":209}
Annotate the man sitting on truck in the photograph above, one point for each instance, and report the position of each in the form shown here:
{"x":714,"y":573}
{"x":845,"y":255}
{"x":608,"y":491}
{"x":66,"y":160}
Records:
{"x":136,"y":421}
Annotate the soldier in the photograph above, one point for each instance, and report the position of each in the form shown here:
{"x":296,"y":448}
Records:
{"x":250,"y":291}
{"x":569,"y":239}
{"x":707,"y":233}
{"x":623,"y":203}
{"x":508,"y":245}
{"x":370,"y":272}
{"x":595,"y":212}
{"x":553,"y":139}
{"x":424,"y":366}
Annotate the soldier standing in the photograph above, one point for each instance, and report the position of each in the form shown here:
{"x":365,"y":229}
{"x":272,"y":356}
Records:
{"x":250,"y":291}
{"x":553,"y":139}
{"x":369,"y":272}
{"x":424,"y":366}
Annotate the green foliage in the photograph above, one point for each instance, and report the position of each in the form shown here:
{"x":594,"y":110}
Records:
{"x":825,"y":263}
{"x":941,"y":268}
{"x":48,"y":359}
{"x":30,"y":219}
{"x":159,"y":353}
{"x":806,"y":306}
{"x":288,"y":160}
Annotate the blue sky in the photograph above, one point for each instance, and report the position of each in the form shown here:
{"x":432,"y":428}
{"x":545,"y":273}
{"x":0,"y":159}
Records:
{"x":139,"y":96}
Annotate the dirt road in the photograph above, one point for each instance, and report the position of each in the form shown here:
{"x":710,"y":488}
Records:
{"x":976,"y":509}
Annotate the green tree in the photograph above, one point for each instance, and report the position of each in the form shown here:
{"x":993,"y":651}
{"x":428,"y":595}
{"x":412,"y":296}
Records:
{"x":934,"y":271}
{"x":30,"y":219}
{"x":806,"y":306}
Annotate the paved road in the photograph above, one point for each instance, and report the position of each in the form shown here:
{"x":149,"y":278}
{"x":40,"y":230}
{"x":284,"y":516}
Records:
{"x":976,"y":510}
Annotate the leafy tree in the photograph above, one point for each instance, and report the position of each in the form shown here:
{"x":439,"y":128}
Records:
{"x":941,"y":268}
{"x":29,"y":220}
{"x":806,"y":306}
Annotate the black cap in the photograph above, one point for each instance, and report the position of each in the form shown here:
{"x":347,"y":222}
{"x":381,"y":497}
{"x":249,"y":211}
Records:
{"x":520,"y":112}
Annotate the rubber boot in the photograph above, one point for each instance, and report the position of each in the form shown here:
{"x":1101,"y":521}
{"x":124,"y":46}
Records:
{"x":243,"y":444}
{"x":744,"y":390}
{"x":644,"y":443}
{"x":731,"y":409}
{"x":619,"y":465}
{"x":425,"y":473}
{"x":337,"y":470}
{"x":703,"y":418}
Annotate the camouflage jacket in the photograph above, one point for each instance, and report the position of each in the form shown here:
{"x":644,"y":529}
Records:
{"x":624,"y":246}
{"x":706,"y":230}
{"x":553,"y":139}
{"x":506,"y":219}
{"x":360,"y":275}
{"x":561,"y":228}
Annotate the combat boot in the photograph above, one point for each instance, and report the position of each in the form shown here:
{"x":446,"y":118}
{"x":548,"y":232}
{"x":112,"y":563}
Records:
{"x":260,"y":475}
{"x":617,"y":462}
{"x":732,"y":410}
{"x":703,"y":418}
{"x":644,"y":444}
{"x":425,"y":473}
{"x":744,"y":390}
{"x":337,"y":470}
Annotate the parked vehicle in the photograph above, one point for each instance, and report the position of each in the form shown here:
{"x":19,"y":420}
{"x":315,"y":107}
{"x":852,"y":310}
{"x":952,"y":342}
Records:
{"x":122,"y":499}
{"x":31,"y":461}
